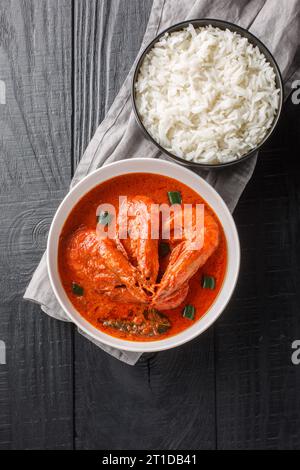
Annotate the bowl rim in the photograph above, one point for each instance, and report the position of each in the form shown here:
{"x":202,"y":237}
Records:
{"x":223,"y":25}
{"x":174,"y":171}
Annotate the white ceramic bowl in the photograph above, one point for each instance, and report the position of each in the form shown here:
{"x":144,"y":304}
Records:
{"x":189,"y":178}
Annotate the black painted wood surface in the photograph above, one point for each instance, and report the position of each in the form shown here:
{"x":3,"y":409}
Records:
{"x":36,"y":385}
{"x":232,"y":388}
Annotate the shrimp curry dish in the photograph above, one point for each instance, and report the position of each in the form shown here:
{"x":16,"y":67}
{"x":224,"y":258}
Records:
{"x":142,"y":257}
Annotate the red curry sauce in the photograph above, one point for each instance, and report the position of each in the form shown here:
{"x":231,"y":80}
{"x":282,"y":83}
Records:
{"x":94,"y":306}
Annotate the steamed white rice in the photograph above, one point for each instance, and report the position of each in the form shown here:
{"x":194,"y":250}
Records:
{"x":206,"y":95}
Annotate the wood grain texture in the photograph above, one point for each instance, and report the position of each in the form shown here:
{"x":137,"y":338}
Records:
{"x":166,"y":401}
{"x":119,"y":406}
{"x":36,"y":385}
{"x":258,"y":401}
{"x":102,"y":61}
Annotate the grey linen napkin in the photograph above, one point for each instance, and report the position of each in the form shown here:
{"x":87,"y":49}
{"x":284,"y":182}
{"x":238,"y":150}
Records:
{"x":275,"y":22}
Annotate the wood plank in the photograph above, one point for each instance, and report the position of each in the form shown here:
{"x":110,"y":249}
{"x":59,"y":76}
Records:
{"x":36,"y":408}
{"x":127,"y":407}
{"x":166,"y":401}
{"x":258,"y":402}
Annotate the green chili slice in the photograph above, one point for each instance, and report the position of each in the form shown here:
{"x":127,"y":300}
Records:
{"x":104,"y":218}
{"x":189,"y":312}
{"x":77,"y":289}
{"x":208,"y":282}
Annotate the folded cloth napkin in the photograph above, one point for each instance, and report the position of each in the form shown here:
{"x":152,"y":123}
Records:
{"x":276,"y":23}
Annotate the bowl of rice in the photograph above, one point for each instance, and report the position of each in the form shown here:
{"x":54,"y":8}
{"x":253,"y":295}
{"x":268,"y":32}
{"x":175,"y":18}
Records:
{"x":207,"y":93}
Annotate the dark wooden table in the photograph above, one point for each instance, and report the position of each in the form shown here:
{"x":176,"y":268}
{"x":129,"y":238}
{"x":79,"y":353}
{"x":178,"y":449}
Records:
{"x":234,"y":387}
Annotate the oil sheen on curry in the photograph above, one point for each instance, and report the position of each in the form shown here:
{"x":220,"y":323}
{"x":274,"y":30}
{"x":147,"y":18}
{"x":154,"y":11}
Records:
{"x":135,"y":286}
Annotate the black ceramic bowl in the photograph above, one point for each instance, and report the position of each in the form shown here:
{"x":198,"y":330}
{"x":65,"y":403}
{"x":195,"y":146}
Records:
{"x":222,"y":25}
